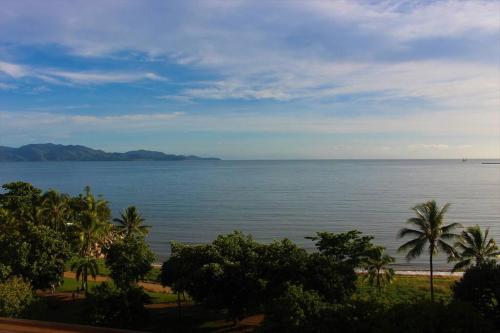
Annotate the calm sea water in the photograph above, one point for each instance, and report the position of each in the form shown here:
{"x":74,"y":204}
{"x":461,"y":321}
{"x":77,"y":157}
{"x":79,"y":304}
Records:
{"x":193,"y":201}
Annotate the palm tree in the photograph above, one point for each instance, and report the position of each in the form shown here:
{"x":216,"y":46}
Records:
{"x":85,"y":266}
{"x":474,"y":245}
{"x":92,"y":224}
{"x":131,"y":222}
{"x":377,"y":271}
{"x":56,"y":209}
{"x":429,"y":230}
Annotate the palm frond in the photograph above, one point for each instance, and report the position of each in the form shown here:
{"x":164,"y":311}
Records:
{"x":412,"y":232}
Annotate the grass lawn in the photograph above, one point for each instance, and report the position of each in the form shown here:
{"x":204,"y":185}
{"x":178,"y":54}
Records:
{"x":152,"y":276}
{"x":199,"y":319}
{"x":408,"y":288}
{"x":162,"y":297}
{"x":70,"y":285}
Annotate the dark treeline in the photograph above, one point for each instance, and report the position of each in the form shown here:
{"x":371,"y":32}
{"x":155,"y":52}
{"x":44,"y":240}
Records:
{"x":44,"y":233}
{"x":315,"y":292}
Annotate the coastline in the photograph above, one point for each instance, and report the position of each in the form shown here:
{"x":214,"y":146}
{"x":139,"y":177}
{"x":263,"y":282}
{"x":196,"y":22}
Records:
{"x":427,"y":273}
{"x":422,"y":272}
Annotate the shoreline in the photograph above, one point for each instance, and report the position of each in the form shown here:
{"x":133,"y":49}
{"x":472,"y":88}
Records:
{"x":407,"y":272}
{"x":428,"y":273}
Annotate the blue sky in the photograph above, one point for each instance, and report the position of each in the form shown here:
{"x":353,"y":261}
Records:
{"x":248,"y":79}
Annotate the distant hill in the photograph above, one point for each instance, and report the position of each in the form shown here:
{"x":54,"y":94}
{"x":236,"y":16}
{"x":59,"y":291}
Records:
{"x":53,"y":152}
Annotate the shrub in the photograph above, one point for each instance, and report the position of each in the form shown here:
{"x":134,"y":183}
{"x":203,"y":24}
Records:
{"x":480,"y":286}
{"x":297,"y":310}
{"x":16,"y":296}
{"x":106,"y":305}
{"x":430,"y":317}
{"x":37,"y":253}
{"x":129,"y":260}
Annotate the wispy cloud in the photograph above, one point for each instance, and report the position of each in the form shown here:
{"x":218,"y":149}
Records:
{"x":457,"y":123}
{"x":56,"y":76}
{"x":13,"y":70}
{"x":411,"y":69}
{"x":449,"y":84}
{"x":410,"y":20}
{"x":23,"y":121}
{"x":327,"y":135}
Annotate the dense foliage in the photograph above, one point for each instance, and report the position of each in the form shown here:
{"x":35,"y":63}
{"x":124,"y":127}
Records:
{"x":16,"y":296}
{"x":239,"y":275}
{"x":41,"y":233}
{"x":305,"y":311}
{"x":129,"y":260}
{"x":35,"y":252}
{"x":480,"y":286}
{"x":110,"y":306}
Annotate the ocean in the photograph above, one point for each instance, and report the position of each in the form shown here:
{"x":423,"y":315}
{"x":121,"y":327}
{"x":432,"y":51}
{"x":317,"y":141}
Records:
{"x":194,"y":201}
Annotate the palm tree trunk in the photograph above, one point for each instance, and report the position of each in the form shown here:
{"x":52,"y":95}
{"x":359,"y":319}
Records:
{"x":432,"y":277}
{"x":378,"y":280}
{"x":179,"y":304}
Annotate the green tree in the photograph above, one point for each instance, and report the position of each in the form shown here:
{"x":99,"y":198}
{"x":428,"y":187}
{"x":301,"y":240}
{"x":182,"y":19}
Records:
{"x":280,"y":264}
{"x":92,"y":224}
{"x":349,"y":247}
{"x":474,"y":247}
{"x":129,"y":260}
{"x":222,"y":275}
{"x":55,"y":209}
{"x":16,"y":296}
{"x":85,"y":266}
{"x":480,"y":286}
{"x":296,"y":310}
{"x":334,"y":280}
{"x":378,"y":272}
{"x":108,"y":306}
{"x":331,"y":270}
{"x":182,"y":271}
{"x":36,"y":253}
{"x":21,"y":199}
{"x":131,"y":223}
{"x":234,"y":276}
{"x":430,"y":229}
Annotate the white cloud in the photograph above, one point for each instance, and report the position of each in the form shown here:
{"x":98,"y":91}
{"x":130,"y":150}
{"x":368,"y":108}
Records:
{"x":431,"y":146}
{"x":101,"y":77}
{"x":314,"y":51}
{"x":23,"y":121}
{"x":429,"y":124}
{"x":248,"y":45}
{"x":55,"y":76}
{"x":414,"y":20}
{"x":13,"y":70}
{"x":445,"y":83}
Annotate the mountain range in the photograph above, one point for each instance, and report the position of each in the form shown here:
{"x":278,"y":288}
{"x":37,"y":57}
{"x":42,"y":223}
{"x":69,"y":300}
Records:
{"x":55,"y":152}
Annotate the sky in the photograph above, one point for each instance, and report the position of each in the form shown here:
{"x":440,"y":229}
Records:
{"x":250,"y":79}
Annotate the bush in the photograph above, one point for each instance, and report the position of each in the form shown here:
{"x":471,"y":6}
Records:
{"x":37,"y":253}
{"x":16,"y":296}
{"x":430,"y":317}
{"x":298,"y":310}
{"x":480,"y":286}
{"x":129,"y":260}
{"x":106,"y":305}
{"x":305,"y":311}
